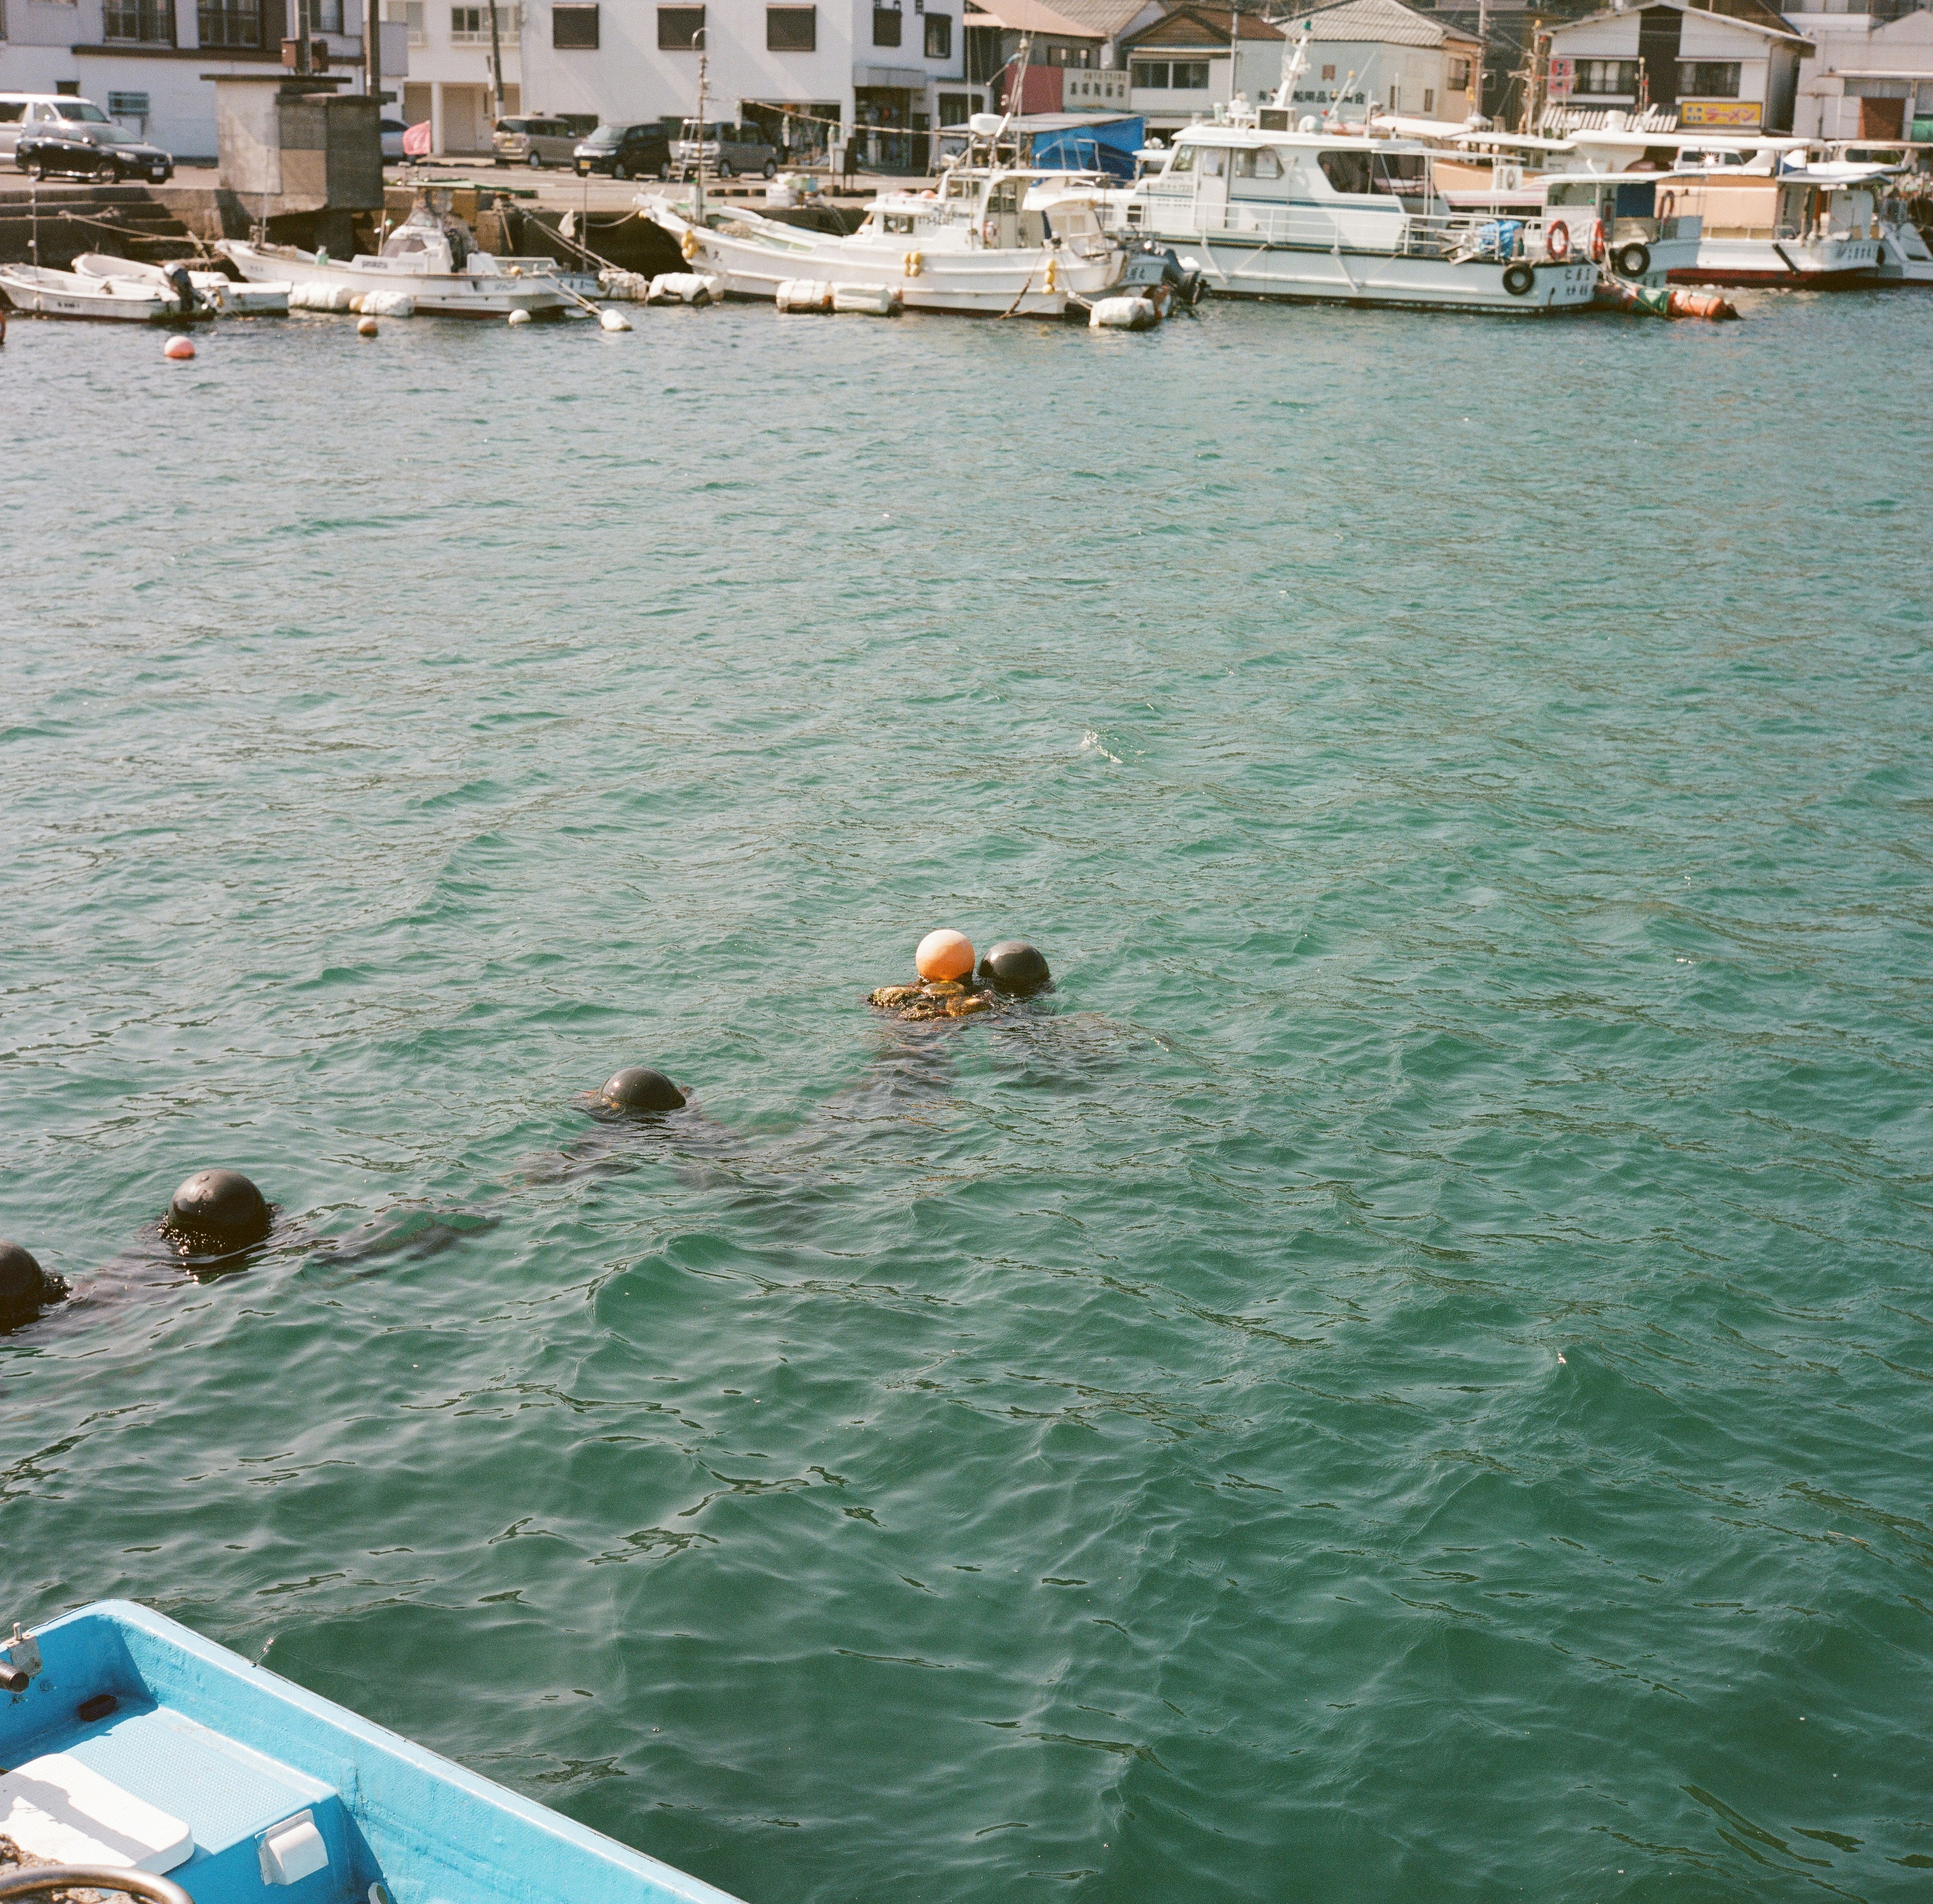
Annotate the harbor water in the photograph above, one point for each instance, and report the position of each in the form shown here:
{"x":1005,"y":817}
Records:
{"x":1405,"y":1378}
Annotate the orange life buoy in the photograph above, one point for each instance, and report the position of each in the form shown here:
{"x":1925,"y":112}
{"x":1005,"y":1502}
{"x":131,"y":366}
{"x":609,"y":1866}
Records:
{"x":1598,"y":240}
{"x":1557,"y":239}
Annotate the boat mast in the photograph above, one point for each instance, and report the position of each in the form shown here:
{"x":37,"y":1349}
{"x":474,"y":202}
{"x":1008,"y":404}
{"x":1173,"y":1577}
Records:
{"x":698,"y":199}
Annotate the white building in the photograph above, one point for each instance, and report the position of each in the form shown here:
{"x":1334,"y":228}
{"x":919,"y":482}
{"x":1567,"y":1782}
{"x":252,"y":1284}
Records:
{"x":1183,"y":62}
{"x":449,"y":82}
{"x":1729,"y":72}
{"x":143,"y":61}
{"x":811,"y":74}
{"x":1871,"y":76}
{"x":1387,"y":57}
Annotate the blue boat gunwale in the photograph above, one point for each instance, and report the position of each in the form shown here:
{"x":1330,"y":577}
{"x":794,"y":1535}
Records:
{"x":412,"y":1806}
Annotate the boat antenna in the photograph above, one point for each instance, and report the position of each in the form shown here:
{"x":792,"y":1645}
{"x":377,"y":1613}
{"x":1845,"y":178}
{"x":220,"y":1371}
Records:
{"x":1014,"y":90}
{"x":697,"y":199}
{"x":1294,"y":63}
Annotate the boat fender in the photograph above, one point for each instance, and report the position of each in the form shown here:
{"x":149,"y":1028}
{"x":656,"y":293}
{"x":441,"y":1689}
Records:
{"x":613,"y":320}
{"x":1598,"y":240}
{"x":520,"y":316}
{"x":989,"y":235}
{"x":912,"y":263}
{"x":642,"y":1091}
{"x":1053,"y":274}
{"x":366,"y":327}
{"x":1123,"y":314}
{"x":1519,"y":280}
{"x":688,"y":244}
{"x":1557,"y":240}
{"x":870,"y":300}
{"x":1633,"y":259}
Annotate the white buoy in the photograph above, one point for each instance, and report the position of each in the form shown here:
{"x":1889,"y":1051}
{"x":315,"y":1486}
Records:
{"x":366,"y":327}
{"x":614,"y":320}
{"x":520,"y":316}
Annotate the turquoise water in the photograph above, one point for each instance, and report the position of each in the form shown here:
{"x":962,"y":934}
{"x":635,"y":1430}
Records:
{"x":1405,"y":1378}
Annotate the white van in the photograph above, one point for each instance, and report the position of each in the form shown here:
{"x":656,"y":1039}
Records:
{"x":21,"y":112}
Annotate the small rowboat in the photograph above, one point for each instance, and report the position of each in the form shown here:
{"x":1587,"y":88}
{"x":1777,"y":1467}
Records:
{"x":137,"y":1746}
{"x":222,"y":294}
{"x":49,"y":293}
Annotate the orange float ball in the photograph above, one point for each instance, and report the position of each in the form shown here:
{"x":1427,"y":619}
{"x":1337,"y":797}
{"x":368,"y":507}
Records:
{"x":178,"y":347}
{"x":944,"y":954}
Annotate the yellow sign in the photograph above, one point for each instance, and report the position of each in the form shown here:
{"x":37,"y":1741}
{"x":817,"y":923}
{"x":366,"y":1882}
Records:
{"x":1711,"y":113}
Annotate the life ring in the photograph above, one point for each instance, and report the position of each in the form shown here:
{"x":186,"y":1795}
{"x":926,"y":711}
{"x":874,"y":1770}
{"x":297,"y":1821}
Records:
{"x":1520,"y":279}
{"x":912,"y":264}
{"x":1597,"y":240}
{"x":1557,"y":240}
{"x":688,"y":244}
{"x":1633,"y":259}
{"x":989,"y":235}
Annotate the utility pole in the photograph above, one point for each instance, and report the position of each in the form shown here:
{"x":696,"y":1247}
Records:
{"x":1483,"y":52}
{"x":372,"y":61}
{"x":496,"y":68}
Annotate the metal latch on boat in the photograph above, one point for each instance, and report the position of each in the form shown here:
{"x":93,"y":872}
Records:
{"x":21,"y":1656}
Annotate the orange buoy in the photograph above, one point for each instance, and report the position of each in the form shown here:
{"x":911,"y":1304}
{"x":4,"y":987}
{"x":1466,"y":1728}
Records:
{"x":177,"y":348}
{"x":944,"y":954}
{"x":366,"y":327}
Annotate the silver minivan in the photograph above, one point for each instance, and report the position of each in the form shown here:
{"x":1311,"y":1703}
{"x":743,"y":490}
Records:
{"x":23,"y":112}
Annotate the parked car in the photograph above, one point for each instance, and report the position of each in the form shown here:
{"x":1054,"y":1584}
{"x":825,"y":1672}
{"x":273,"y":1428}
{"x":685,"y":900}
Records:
{"x":726,"y":149}
{"x":23,"y":113}
{"x":392,"y":138}
{"x":88,"y":151}
{"x":626,"y":151}
{"x":537,"y":143}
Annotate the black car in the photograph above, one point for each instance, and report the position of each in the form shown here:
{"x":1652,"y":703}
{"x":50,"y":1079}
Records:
{"x":625,"y":151}
{"x":92,"y":152}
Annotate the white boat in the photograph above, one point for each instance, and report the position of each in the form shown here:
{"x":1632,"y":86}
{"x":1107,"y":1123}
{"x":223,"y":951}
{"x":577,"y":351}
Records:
{"x":1628,"y":223}
{"x":1815,"y":227}
{"x":221,"y":293}
{"x":49,"y":293}
{"x":1905,"y":257}
{"x":1272,"y":206}
{"x":995,"y":239}
{"x":429,"y":257}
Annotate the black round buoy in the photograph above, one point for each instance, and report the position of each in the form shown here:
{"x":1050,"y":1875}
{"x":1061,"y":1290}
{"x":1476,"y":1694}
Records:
{"x":1014,"y":965}
{"x":218,"y":1210}
{"x":25,"y":1286}
{"x":637,"y":1088}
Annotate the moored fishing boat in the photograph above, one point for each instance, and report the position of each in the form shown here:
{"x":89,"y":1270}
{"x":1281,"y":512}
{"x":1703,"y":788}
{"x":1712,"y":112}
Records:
{"x":995,"y":238}
{"x":44,"y":293}
{"x":1275,"y":207}
{"x":137,"y":1746}
{"x":1811,"y":227}
{"x":430,"y":258}
{"x":220,"y":292}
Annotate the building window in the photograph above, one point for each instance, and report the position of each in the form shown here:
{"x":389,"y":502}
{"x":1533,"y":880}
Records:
{"x":139,"y":22}
{"x":327,"y":16}
{"x":939,"y":36}
{"x":885,"y":26}
{"x":1172,"y":75}
{"x":573,"y":28}
{"x":127,"y":106}
{"x":1708,"y":78}
{"x":404,"y":13}
{"x":470,"y":26}
{"x":1606,"y":79}
{"x":680,"y":29}
{"x":1459,"y":75}
{"x":1429,"y":100}
{"x":791,"y":29}
{"x":231,"y":22}
{"x":1328,"y":72}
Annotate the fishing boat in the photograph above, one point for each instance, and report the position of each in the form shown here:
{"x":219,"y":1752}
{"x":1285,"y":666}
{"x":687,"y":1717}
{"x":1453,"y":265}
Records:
{"x":430,"y":258}
{"x":1274,"y":206}
{"x":44,"y":293}
{"x":213,"y":288}
{"x":144,"y":1759}
{"x":1805,"y":227}
{"x":994,"y":238}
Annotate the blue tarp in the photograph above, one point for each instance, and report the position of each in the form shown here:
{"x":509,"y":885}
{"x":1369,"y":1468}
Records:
{"x":1105,"y":145}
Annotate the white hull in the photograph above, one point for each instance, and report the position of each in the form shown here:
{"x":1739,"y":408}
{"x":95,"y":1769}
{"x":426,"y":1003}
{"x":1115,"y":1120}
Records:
{"x":223,"y":294}
{"x":61,"y":294}
{"x":1904,"y":257}
{"x":760,"y":254}
{"x":490,"y":287}
{"x":1811,"y":263}
{"x":1243,"y":267}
